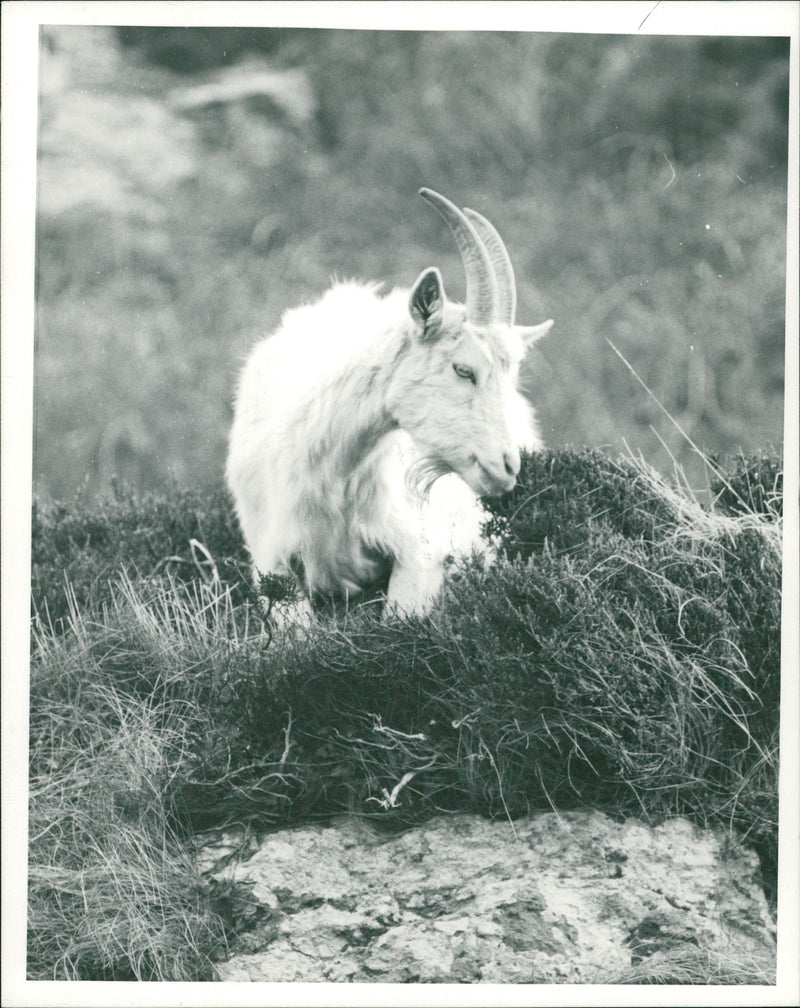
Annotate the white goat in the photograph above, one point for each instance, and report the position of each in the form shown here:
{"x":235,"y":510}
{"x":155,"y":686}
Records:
{"x":367,"y":426}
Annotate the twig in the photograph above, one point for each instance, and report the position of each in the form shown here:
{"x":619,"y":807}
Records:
{"x":390,"y":800}
{"x":288,"y":745}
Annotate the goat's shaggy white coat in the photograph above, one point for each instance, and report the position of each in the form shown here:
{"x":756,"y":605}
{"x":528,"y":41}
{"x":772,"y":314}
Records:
{"x":364,"y":430}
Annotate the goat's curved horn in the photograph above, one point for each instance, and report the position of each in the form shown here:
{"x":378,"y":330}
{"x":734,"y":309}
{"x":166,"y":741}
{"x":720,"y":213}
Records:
{"x":482,"y":296}
{"x":501,"y":264}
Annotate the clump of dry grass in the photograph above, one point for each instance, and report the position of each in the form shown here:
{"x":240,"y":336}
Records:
{"x":113,"y":893}
{"x":689,"y":964}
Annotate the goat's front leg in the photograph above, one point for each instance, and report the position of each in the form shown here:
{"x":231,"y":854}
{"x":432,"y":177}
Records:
{"x":413,"y":588}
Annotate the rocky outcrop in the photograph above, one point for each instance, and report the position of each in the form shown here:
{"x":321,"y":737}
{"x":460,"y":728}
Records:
{"x":570,"y":898}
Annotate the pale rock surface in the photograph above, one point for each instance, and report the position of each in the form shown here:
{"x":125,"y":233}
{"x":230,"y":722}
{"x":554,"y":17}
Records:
{"x":571,"y":898}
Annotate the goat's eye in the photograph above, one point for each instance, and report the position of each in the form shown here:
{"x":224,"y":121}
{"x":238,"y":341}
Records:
{"x":464,"y":372}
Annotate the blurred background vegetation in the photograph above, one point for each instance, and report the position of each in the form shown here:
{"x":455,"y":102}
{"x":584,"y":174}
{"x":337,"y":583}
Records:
{"x":195,"y":183}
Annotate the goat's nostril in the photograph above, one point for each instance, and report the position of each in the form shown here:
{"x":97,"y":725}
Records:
{"x":512,"y":463}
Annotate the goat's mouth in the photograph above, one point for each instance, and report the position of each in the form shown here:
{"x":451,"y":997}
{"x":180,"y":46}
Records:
{"x":481,"y":480}
{"x":489,"y":484}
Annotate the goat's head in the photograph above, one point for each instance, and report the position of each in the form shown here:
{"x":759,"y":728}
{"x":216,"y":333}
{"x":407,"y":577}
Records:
{"x":455,"y":390}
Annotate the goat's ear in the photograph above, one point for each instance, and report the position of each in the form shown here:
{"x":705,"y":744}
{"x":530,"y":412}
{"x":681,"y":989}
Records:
{"x":530,"y":334}
{"x":426,"y":303}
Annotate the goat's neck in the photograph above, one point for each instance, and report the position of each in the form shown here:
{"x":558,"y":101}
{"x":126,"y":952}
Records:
{"x":354,"y":401}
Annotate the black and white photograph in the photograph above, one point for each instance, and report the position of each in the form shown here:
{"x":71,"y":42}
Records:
{"x":400,"y":503}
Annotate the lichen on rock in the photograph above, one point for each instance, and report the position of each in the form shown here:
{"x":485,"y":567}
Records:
{"x":568,"y":898}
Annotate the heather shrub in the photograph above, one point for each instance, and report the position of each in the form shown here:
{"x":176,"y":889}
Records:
{"x":85,"y":543}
